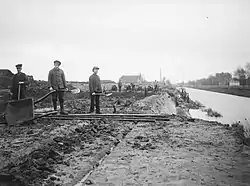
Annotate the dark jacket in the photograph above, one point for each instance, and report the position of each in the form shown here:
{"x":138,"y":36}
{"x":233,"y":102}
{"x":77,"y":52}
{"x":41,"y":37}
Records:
{"x":119,"y":83}
{"x":56,"y":79}
{"x":95,"y":84}
{"x":19,"y":77}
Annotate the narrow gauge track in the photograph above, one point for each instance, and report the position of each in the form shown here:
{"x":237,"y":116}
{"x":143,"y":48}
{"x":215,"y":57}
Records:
{"x":118,"y":117}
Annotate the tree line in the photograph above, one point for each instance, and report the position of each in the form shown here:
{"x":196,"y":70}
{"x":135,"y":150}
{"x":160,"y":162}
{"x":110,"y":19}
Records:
{"x":241,"y":75}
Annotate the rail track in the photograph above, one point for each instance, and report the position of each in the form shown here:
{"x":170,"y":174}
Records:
{"x":118,"y":117}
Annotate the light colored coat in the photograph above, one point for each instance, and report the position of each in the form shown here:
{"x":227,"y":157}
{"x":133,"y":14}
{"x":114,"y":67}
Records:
{"x":56,"y":79}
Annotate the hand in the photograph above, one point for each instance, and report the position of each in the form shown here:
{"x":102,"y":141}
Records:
{"x":66,"y":89}
{"x":93,"y":93}
{"x":50,"y":88}
{"x":11,"y":93}
{"x":20,"y":83}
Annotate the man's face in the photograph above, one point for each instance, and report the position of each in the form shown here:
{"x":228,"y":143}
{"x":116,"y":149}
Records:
{"x":19,"y":69}
{"x":56,"y":64}
{"x":95,"y":71}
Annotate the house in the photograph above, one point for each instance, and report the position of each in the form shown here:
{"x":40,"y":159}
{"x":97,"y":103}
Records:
{"x":131,"y":79}
{"x":234,"y":82}
{"x":5,"y":78}
{"x":6,"y":73}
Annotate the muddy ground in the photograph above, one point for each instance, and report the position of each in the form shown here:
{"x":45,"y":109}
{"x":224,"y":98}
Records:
{"x":176,"y":153}
{"x":180,"y":151}
{"x":48,"y":152}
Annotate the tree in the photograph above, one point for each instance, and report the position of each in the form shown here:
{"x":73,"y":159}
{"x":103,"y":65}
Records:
{"x":240,"y":73}
{"x":223,"y":78}
{"x":247,"y":69}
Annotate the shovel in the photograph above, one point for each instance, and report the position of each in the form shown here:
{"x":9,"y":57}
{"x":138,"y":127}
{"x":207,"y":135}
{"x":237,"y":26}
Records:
{"x":101,"y":94}
{"x":23,"y":109}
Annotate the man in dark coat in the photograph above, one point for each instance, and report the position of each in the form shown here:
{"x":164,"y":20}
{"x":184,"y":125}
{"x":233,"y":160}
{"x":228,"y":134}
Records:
{"x":95,"y":87}
{"x":120,"y":85}
{"x":57,"y":82}
{"x":19,"y":81}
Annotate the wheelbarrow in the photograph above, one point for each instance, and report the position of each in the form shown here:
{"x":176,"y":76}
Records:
{"x":22,"y":110}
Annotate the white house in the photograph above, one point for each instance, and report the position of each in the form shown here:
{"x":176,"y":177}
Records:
{"x":234,"y":82}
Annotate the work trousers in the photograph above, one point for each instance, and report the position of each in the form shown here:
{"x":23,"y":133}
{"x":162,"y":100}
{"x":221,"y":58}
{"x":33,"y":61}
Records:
{"x":94,"y":102}
{"x":22,"y":94}
{"x":58,"y":95}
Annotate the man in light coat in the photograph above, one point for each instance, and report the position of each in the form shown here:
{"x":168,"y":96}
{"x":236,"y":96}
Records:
{"x":56,"y":80}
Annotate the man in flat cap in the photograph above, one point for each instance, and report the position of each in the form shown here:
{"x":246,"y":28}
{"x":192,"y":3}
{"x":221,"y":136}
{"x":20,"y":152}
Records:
{"x":56,"y":80}
{"x":95,"y":87}
{"x":19,"y":84}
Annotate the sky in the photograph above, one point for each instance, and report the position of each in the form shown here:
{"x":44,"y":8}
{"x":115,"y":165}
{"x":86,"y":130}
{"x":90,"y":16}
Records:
{"x":186,"y":39}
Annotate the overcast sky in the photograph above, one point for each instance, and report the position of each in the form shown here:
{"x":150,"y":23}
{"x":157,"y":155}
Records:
{"x":188,"y":39}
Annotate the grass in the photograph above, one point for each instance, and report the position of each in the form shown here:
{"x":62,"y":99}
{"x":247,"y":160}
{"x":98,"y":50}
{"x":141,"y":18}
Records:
{"x":237,"y":91}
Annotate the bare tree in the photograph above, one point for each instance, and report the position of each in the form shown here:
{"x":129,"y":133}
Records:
{"x":247,"y":69}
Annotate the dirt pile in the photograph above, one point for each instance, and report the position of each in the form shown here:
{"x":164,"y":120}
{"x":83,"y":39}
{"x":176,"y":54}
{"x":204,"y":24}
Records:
{"x":52,"y":152}
{"x":65,"y":139}
{"x":37,"y":89}
{"x":34,"y":167}
{"x":160,"y":104}
{"x":177,"y":153}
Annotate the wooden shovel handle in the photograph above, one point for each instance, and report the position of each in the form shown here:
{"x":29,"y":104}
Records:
{"x":45,"y":96}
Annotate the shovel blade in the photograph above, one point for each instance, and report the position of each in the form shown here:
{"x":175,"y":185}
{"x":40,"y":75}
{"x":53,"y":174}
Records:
{"x":19,"y":111}
{"x":75,"y":91}
{"x":110,"y":94}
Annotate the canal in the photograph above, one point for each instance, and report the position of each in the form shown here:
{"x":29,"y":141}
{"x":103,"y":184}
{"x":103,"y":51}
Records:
{"x":233,"y":108}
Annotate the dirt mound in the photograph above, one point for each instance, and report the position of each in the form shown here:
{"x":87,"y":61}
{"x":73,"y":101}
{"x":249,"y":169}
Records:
{"x":35,"y":166}
{"x":38,"y":89}
{"x":160,"y":104}
{"x":40,"y":163}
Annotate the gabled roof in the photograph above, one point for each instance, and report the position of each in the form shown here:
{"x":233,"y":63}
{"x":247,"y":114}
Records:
{"x":6,"y":73}
{"x":130,"y":79}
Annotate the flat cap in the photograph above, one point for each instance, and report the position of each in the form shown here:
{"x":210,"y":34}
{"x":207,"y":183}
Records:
{"x":56,"y":61}
{"x":95,"y":67}
{"x":19,"y":65}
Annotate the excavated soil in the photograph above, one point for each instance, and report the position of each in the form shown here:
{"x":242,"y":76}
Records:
{"x":61,"y":153}
{"x":181,"y":151}
{"x":48,"y":152}
{"x":176,"y":153}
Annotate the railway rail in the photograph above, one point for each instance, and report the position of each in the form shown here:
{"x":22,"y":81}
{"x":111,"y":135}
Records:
{"x":118,"y":117}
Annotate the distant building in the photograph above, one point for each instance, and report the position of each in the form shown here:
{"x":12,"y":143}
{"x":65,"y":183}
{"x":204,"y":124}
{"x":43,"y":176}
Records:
{"x":131,"y":79}
{"x":234,"y":82}
{"x":5,"y":78}
{"x":6,"y":73}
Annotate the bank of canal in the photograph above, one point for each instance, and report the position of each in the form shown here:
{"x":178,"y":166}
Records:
{"x":233,"y":108}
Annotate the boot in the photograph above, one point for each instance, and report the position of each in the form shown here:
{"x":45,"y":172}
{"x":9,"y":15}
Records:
{"x":62,"y":109}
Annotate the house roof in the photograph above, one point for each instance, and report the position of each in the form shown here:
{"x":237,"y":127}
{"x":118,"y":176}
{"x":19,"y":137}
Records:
{"x":6,"y":73}
{"x":130,"y":79}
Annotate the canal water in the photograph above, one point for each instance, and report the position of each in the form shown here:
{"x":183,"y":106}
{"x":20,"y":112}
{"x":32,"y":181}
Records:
{"x":233,"y":108}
